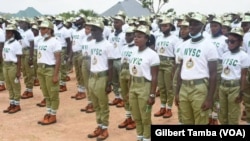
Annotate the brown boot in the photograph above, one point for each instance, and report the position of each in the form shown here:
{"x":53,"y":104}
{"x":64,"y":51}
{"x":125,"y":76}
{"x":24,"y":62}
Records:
{"x":120,"y":104}
{"x":131,"y":125}
{"x":103,"y":135}
{"x":36,"y":82}
{"x":115,"y":101}
{"x":90,"y":108}
{"x":125,"y":123}
{"x":63,"y":88}
{"x":161,"y":112}
{"x":67,"y":78}
{"x":42,"y":103}
{"x":157,"y":93}
{"x":74,"y":96}
{"x":244,"y":115}
{"x":51,"y":119}
{"x":15,"y":109}
{"x":2,"y":87}
{"x":9,"y":108}
{"x":215,"y":122}
{"x":81,"y":95}
{"x":168,"y":114}
{"x":27,"y":95}
{"x":84,"y":109}
{"x":96,"y":133}
{"x":45,"y":119}
{"x":210,"y":121}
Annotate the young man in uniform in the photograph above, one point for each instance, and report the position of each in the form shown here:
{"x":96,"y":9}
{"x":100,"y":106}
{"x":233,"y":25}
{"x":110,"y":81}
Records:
{"x":76,"y":55}
{"x":27,"y":44}
{"x":126,"y":53}
{"x":63,"y":36}
{"x":100,"y":79}
{"x":219,"y":41}
{"x":165,"y":46}
{"x":117,"y":39}
{"x":198,"y":56}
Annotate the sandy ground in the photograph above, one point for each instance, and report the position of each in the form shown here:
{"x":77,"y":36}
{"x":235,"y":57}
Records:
{"x":72,"y":125}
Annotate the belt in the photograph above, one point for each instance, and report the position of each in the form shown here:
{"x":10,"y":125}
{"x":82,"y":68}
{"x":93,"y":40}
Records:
{"x":9,"y":63}
{"x":117,"y":59}
{"x":125,"y":66}
{"x":42,"y":65}
{"x":77,"y":52}
{"x":26,"y":48}
{"x":98,"y":74}
{"x":139,"y":79}
{"x":166,"y":58}
{"x":230,"y":83}
{"x":194,"y":81}
{"x":85,"y":57}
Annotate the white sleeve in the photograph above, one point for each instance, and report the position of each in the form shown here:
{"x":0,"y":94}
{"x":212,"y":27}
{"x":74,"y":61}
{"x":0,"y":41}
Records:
{"x":66,"y":34}
{"x":110,"y":51}
{"x":57,"y":46}
{"x":30,"y":36}
{"x":18,"y":48}
{"x":245,"y":63}
{"x":2,"y":38}
{"x":212,"y":53}
{"x":154,"y":59}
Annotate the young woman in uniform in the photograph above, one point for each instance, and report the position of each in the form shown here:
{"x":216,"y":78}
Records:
{"x":11,"y":54}
{"x":48,"y":61}
{"x":143,"y":69}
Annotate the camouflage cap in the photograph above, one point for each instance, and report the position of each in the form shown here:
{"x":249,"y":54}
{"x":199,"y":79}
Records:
{"x":47,"y":24}
{"x":246,"y":18}
{"x":237,"y":31}
{"x":198,"y":17}
{"x":144,"y":29}
{"x":118,"y":18}
{"x":97,"y":23}
{"x":35,"y":27}
{"x":130,"y":29}
{"x":217,"y":20}
{"x":11,"y":27}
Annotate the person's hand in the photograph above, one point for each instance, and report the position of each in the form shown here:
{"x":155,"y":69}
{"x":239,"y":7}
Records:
{"x":55,"y":79}
{"x":239,"y":98}
{"x":207,"y":104}
{"x":18,"y":74}
{"x":151,"y":100}
{"x":30,"y":62}
{"x":176,"y":100}
{"x":108,"y":89}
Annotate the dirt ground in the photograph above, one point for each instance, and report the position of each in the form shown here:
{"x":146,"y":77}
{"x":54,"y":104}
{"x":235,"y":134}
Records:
{"x":72,"y":125}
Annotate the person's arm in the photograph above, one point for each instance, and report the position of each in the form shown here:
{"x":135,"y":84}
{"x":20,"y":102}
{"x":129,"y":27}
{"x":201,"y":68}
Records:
{"x":242,"y":85}
{"x":18,"y":73}
{"x":179,"y":81}
{"x":1,"y":50}
{"x":212,"y":66}
{"x":154,"y":72}
{"x":110,"y":71}
{"x":68,"y":48}
{"x":57,"y":66}
{"x":31,"y":52}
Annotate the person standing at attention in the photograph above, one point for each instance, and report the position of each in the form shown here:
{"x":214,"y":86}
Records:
{"x":143,"y":68}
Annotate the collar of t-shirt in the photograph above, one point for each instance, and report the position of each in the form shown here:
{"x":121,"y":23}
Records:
{"x":131,"y":44}
{"x":117,"y":32}
{"x":10,"y":40}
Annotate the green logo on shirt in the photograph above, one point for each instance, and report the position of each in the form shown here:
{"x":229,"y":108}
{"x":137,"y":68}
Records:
{"x":44,"y":47}
{"x":96,"y":51}
{"x":231,"y":62}
{"x":216,"y":44}
{"x":6,"y":50}
{"x":163,"y":44}
{"x":192,"y":52}
{"x":136,"y":61}
{"x":127,"y":53}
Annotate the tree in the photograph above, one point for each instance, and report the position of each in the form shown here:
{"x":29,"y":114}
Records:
{"x":150,"y":4}
{"x":87,"y":13}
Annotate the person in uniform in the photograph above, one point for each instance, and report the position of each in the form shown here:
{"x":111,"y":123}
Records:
{"x":184,"y":35}
{"x":126,"y":54}
{"x":117,"y":38}
{"x":76,"y":54}
{"x":143,"y":68}
{"x":48,"y":61}
{"x":219,"y":41}
{"x":63,"y":36}
{"x":226,"y":27}
{"x":198,"y":56}
{"x":11,"y":54}
{"x":2,"y":40}
{"x":165,"y":46}
{"x":86,"y":51}
{"x":233,"y":78}
{"x":100,"y":80}
{"x":27,"y":44}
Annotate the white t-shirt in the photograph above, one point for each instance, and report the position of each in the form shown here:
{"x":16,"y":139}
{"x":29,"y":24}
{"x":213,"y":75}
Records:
{"x":220,"y":43}
{"x":233,"y":63}
{"x":141,"y":63}
{"x":10,"y":50}
{"x":246,"y":43}
{"x":178,"y":50}
{"x":61,"y":34}
{"x":27,"y":36}
{"x":157,"y":34}
{"x":86,"y":51}
{"x":127,"y":52}
{"x":118,"y":42}
{"x":77,"y":37}
{"x":100,"y":53}
{"x":37,"y":40}
{"x":106,"y":32}
{"x":2,"y":36}
{"x":46,"y":51}
{"x":195,"y":56}
{"x":165,"y":46}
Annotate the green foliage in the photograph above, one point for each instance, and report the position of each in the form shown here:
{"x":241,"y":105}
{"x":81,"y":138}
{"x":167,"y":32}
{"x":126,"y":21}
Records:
{"x":150,"y":4}
{"x":87,"y":13}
